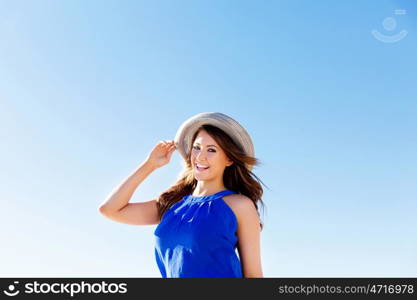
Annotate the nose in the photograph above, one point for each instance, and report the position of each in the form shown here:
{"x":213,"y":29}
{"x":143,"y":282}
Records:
{"x":200,"y":156}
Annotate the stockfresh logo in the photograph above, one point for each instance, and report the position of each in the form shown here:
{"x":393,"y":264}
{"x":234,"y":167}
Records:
{"x":11,"y":289}
{"x":73,"y":288}
{"x":390,"y":24}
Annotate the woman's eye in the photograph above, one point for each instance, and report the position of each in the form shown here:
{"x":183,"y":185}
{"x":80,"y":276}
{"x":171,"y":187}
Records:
{"x":198,"y":148}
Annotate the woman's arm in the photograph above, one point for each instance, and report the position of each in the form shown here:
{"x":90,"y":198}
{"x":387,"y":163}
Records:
{"x":117,"y":206}
{"x":249,"y":237}
{"x":121,"y":195}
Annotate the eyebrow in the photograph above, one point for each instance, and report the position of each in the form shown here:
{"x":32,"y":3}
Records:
{"x":207,"y":145}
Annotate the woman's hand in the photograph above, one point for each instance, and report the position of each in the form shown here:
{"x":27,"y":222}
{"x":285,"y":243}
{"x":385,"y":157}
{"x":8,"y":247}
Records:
{"x":161,"y":153}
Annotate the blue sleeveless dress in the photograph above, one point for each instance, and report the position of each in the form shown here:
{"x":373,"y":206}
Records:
{"x":197,"y":237}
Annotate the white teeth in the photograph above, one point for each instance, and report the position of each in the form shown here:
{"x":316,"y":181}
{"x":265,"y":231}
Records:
{"x":201,"y":167}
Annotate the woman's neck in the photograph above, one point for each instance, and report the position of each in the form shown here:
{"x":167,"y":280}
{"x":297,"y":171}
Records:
{"x":205,"y":189}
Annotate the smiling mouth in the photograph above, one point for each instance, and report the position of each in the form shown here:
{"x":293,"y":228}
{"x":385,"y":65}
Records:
{"x":201,"y":169}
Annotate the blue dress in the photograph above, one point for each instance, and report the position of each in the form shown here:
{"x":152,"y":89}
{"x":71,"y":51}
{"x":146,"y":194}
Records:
{"x":197,"y":237}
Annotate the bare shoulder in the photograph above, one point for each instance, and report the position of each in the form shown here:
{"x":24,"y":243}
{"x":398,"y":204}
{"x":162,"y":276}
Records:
{"x":238,"y":200}
{"x":241,"y":205}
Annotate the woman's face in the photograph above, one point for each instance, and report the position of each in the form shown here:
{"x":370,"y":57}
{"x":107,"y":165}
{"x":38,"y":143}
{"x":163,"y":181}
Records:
{"x":207,"y":153}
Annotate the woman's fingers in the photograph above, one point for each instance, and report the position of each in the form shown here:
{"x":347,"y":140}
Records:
{"x":167,"y":145}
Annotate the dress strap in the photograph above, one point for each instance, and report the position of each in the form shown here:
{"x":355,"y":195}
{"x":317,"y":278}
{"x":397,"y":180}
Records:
{"x":209,"y":197}
{"x":223,"y":193}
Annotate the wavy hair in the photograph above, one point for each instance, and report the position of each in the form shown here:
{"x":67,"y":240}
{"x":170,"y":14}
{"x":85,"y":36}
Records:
{"x":236,"y":177}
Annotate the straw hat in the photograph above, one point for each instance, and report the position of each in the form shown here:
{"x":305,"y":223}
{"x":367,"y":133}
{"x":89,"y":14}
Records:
{"x":236,"y":131}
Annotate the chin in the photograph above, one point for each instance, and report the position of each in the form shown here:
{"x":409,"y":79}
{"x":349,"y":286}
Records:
{"x":200,"y":178}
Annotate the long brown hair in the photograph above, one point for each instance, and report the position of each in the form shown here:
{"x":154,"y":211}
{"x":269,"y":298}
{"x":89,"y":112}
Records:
{"x":236,"y":177}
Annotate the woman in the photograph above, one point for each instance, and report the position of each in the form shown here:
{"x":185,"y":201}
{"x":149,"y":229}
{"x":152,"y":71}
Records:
{"x":211,"y":210}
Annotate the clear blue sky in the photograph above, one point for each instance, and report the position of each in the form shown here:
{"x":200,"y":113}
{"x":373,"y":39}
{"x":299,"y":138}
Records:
{"x":87,"y":88}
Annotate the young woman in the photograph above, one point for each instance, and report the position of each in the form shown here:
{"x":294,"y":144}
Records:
{"x":212,"y":209}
